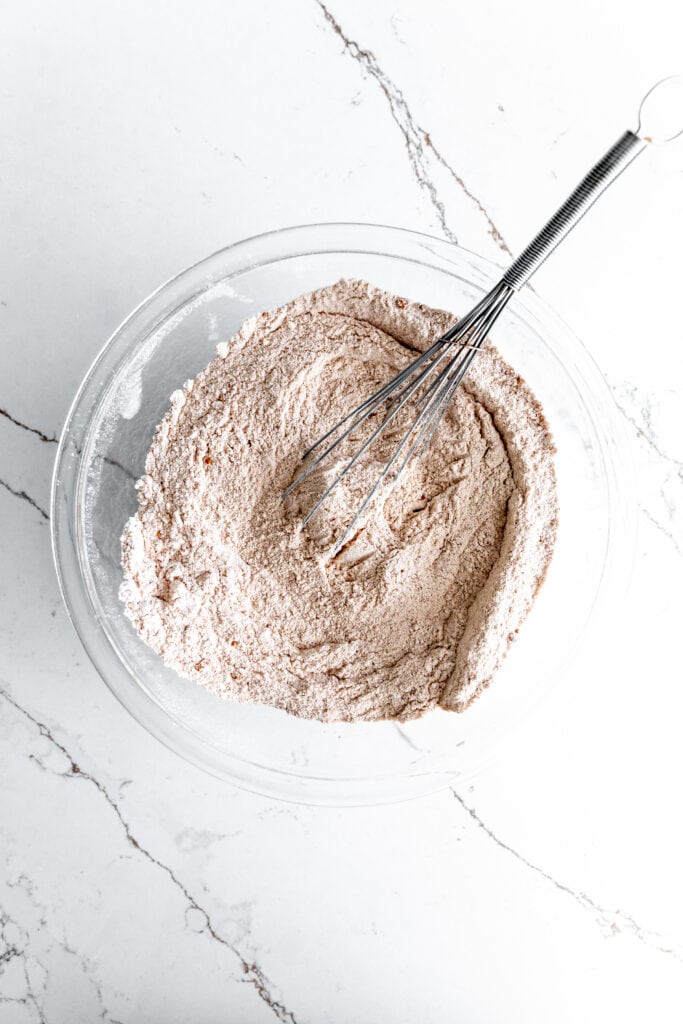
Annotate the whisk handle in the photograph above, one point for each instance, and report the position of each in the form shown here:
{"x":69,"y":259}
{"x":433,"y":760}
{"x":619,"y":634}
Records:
{"x":572,"y":210}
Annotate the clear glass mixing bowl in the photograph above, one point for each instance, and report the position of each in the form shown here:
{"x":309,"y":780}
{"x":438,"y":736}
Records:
{"x":171,"y":336}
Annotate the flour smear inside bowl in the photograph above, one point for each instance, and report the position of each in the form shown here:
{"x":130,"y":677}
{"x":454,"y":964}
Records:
{"x":419,"y":609}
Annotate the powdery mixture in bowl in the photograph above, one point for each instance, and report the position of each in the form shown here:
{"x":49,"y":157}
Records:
{"x":420,"y":609}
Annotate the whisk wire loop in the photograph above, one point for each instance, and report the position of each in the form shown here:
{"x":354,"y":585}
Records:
{"x":465,"y":337}
{"x":431,"y":384}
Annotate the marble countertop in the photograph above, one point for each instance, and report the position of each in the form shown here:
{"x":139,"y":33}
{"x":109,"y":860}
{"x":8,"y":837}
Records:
{"x":136,"y":138}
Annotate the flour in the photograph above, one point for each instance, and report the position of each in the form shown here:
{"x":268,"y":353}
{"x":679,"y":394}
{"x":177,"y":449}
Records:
{"x":420,"y":609}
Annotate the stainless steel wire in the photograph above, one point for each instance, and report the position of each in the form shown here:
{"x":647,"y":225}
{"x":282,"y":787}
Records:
{"x":427,"y":385}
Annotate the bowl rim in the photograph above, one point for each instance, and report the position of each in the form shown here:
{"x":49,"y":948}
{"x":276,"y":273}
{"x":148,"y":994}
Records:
{"x":74,"y":590}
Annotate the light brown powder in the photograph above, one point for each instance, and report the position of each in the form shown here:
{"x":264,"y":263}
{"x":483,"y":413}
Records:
{"x":419,"y":610}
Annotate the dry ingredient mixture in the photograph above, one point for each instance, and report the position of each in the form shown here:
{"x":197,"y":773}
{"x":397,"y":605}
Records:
{"x":420,"y":609}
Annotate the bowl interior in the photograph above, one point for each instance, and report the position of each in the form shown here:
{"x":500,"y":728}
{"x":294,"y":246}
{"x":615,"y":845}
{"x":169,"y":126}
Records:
{"x":168,"y":340}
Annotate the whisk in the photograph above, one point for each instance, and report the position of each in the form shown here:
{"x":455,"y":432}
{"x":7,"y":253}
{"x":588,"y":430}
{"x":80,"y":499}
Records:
{"x":429,"y":382}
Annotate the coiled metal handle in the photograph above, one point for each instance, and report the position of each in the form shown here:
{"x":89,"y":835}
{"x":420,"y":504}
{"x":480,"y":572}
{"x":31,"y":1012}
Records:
{"x":570,"y":213}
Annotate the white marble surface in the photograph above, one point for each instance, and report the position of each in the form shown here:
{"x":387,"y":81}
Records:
{"x":136,"y":138}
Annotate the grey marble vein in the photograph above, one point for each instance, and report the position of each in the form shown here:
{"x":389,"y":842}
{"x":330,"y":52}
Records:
{"x":18,"y":951}
{"x":25,"y":497}
{"x":614,"y":922}
{"x":646,"y":431}
{"x":406,"y":738}
{"x":672,"y":467}
{"x":418,"y":142}
{"x":88,"y":969}
{"x":45,"y":438}
{"x":492,"y":229}
{"x":662,"y":528}
{"x":119,"y":465}
{"x":412,"y":134}
{"x":33,"y":998}
{"x":252,"y":973}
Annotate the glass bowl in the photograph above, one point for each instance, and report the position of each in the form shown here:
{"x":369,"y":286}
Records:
{"x":170,"y":337}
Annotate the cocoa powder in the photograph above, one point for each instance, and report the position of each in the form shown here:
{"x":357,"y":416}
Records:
{"x":419,"y":610}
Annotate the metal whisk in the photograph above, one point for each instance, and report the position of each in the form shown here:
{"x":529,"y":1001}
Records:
{"x":431,"y":380}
